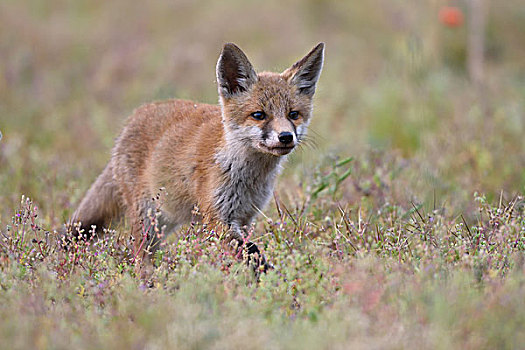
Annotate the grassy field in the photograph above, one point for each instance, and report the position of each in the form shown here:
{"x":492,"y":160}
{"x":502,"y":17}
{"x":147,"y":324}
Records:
{"x":402,"y":226}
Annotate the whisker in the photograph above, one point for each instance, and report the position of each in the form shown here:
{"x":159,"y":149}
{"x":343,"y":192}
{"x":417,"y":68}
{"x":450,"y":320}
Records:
{"x":316,"y":134}
{"x":308,"y":141}
{"x":310,"y":144}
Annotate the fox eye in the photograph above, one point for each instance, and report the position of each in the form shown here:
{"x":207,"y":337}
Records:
{"x":258,"y":115}
{"x":294,"y":115}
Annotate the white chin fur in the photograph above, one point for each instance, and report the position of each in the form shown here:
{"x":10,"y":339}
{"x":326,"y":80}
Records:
{"x":275,"y":151}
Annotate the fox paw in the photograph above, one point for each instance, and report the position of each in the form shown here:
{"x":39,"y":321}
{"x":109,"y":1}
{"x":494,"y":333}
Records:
{"x":256,"y":259}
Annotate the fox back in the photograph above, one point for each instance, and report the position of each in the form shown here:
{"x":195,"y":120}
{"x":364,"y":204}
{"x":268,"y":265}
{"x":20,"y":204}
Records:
{"x":175,"y":156}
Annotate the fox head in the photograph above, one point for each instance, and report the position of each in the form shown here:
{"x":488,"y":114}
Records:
{"x":268,"y":112}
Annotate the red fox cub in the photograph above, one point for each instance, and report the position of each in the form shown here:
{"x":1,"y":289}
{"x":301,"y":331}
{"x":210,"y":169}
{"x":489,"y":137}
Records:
{"x":222,"y":159}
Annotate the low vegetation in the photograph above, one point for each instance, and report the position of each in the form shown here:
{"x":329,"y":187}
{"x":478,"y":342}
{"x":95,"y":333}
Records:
{"x":399,"y":224}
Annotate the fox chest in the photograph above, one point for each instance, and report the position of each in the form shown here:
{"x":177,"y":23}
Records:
{"x":245,"y":191}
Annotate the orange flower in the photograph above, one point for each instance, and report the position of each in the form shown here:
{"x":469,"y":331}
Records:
{"x":451,"y":16}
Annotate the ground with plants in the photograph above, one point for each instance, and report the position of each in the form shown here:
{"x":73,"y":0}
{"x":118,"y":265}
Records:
{"x":399,"y":224}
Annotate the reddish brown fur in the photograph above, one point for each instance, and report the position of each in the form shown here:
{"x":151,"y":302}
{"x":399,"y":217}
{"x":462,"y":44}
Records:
{"x":175,"y":147}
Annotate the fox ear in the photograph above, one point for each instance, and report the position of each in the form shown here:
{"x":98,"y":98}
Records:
{"x":305,"y":72}
{"x":235,"y":73}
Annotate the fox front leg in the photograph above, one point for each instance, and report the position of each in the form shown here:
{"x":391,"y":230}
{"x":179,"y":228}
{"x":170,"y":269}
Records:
{"x":244,"y":247}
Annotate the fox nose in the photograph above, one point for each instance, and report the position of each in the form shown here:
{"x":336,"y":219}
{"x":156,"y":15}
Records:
{"x":285,"y":137}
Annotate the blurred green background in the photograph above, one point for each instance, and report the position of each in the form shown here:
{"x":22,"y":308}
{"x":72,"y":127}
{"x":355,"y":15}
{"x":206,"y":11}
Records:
{"x":395,"y":93}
